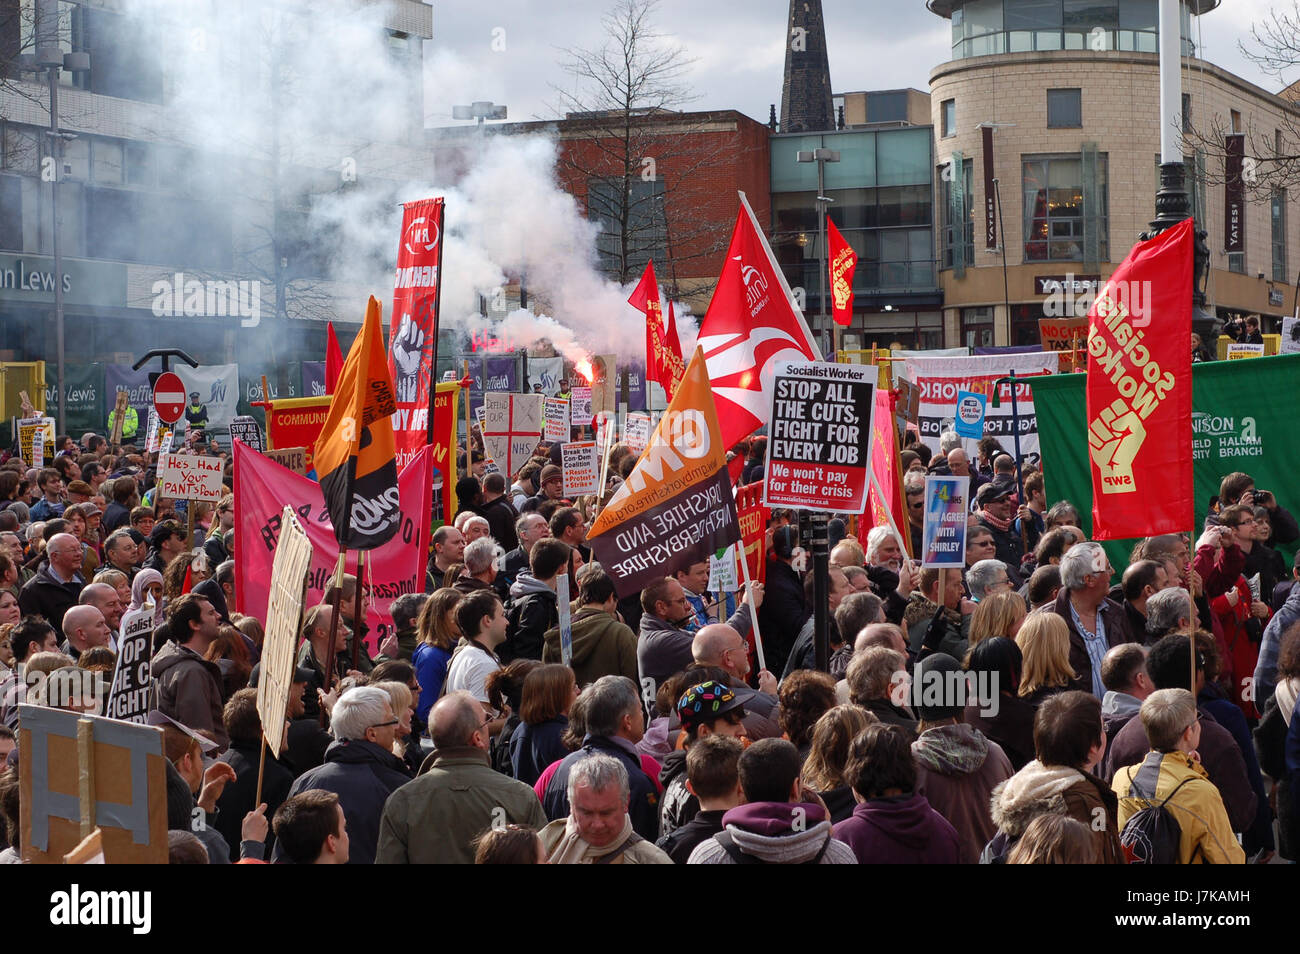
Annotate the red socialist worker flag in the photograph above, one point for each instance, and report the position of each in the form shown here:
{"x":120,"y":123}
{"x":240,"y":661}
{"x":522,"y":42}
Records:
{"x":752,"y":322}
{"x":1140,"y":391}
{"x":842,"y":263}
{"x":413,"y":327}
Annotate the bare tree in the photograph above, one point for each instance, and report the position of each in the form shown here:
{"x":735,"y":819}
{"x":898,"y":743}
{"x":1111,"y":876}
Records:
{"x":642,"y":160}
{"x":1272,"y":154}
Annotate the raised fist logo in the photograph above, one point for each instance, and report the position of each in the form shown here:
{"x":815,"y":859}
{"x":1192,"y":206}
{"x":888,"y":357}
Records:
{"x":1114,"y":439}
{"x":408,"y":349}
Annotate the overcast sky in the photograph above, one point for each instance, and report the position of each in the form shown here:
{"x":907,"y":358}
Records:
{"x":738,"y":46}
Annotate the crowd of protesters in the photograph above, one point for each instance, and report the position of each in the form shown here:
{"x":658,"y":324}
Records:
{"x":1037,"y":707}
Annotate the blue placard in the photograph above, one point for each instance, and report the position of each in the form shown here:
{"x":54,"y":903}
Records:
{"x":943,"y":530}
{"x":969,"y":419}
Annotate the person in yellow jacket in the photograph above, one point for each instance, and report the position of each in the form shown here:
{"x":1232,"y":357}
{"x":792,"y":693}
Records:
{"x":1173,"y":730}
{"x":130,"y":422}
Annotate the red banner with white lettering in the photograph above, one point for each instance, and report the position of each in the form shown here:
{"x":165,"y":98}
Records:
{"x":263,"y":488}
{"x":1140,"y":391}
{"x":413,"y":324}
{"x":843,"y":262}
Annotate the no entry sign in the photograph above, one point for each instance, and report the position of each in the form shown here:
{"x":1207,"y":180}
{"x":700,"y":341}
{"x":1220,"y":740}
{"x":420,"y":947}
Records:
{"x":169,"y":397}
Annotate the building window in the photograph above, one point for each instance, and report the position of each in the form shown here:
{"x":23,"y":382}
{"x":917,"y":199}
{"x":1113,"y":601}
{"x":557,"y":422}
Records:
{"x":1187,"y":112}
{"x":646,"y":226}
{"x":949,"y":118}
{"x":1059,"y":207}
{"x":1064,"y":109}
{"x":977,"y":327}
{"x":1237,"y":262}
{"x":1278,"y":203}
{"x":1236,"y":121}
{"x":955,"y":187}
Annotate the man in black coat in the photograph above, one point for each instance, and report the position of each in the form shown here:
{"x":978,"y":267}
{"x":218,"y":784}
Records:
{"x":56,"y":587}
{"x":784,"y":609}
{"x":495,"y":507}
{"x":996,"y":516}
{"x":244,"y":756}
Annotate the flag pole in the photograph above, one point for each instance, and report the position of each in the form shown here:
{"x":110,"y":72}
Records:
{"x":753,"y":613}
{"x":333,"y":631}
{"x":437,"y":313}
{"x":469,"y":433}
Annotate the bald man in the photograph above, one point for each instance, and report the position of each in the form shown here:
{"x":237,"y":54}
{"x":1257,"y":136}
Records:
{"x":720,"y":645}
{"x":85,"y":629}
{"x":105,"y":599}
{"x":57,"y":585}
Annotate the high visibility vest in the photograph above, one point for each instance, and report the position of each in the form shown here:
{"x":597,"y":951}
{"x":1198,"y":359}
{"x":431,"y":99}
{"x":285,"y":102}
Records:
{"x":130,"y":423}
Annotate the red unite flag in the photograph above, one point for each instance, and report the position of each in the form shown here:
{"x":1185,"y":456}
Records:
{"x":843,"y":262}
{"x":1140,"y":391}
{"x":413,"y":328}
{"x":751,"y":323}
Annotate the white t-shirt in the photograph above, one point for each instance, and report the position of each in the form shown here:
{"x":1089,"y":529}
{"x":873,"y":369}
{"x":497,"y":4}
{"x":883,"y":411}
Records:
{"x":469,"y":671}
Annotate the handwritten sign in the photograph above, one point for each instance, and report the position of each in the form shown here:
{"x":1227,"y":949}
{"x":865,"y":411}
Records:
{"x":512,"y":425}
{"x":580,"y":465}
{"x":557,"y":420}
{"x":636,"y":431}
{"x":190,"y":478}
{"x":290,"y":458}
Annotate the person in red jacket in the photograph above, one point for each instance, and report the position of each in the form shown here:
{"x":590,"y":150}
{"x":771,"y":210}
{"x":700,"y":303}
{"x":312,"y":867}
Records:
{"x":1241,"y":616}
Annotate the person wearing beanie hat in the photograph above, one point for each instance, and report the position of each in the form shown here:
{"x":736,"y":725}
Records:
{"x":551,"y":483}
{"x":957,"y":767}
{"x":705,"y":709}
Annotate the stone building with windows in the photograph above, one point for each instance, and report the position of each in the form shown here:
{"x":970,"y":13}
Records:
{"x":1065,"y":92}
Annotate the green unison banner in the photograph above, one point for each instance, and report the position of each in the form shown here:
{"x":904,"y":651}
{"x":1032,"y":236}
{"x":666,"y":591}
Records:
{"x":1242,"y":420}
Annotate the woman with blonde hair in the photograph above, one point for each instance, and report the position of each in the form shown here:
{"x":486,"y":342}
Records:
{"x":999,"y":614}
{"x":1044,"y":641}
{"x":823,"y":771}
{"x":403,"y":708}
{"x":1053,"y":839}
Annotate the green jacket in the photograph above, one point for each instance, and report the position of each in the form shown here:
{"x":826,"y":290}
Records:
{"x":602,"y":646}
{"x":435,"y":818}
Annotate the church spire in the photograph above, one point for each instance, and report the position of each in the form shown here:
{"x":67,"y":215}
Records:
{"x":806,"y":88}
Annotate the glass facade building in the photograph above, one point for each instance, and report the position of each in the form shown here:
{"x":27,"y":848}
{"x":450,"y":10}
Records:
{"x":988,"y":27}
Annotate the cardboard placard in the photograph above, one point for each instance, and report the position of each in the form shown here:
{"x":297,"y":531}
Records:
{"x":512,"y":426}
{"x":184,"y":477}
{"x":1057,"y":334}
{"x":557,"y":420}
{"x":636,"y":431}
{"x":290,"y":458}
{"x":580,"y":407}
{"x":288,"y":573}
{"x":819,"y":447}
{"x":245,"y":428}
{"x":581,"y":466}
{"x":74,"y":767}
{"x":943,"y":532}
{"x":132,"y":691}
{"x":604,"y":379}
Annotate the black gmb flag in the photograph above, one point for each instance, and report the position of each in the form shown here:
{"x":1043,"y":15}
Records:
{"x":355,"y":453}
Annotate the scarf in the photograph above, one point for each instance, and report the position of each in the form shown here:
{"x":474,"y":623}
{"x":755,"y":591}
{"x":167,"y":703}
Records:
{"x":572,"y":850}
{"x":1286,"y":697}
{"x":140,"y":592}
{"x":992,"y":521}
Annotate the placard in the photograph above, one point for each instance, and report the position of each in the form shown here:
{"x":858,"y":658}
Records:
{"x":152,"y":431}
{"x":943,"y":530}
{"x":1058,"y":334}
{"x":1290,"y":335}
{"x":969,"y":418}
{"x":819,"y":437}
{"x":557,"y":420}
{"x":604,"y":379}
{"x":32,"y":449}
{"x":185,"y":477}
{"x":580,"y":407}
{"x":566,"y":618}
{"x":512,"y":426}
{"x":581,"y":465}
{"x":166,"y":440}
{"x":722,"y":571}
{"x":245,"y":428}
{"x":130,"y":697}
{"x":288,"y":573}
{"x":1237,"y":351}
{"x":290,"y":458}
{"x":636,"y":431}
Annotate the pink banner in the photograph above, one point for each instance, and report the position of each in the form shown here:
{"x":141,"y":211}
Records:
{"x":263,"y":488}
{"x":884,"y":466}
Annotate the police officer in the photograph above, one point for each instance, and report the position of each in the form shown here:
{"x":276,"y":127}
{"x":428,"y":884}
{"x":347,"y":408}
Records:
{"x":196,"y":413}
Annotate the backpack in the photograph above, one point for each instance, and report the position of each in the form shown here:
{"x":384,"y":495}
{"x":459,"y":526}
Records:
{"x":1153,"y":835}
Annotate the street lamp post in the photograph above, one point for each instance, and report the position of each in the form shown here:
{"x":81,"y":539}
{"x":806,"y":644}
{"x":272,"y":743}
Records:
{"x":821,"y":157}
{"x":51,"y":60}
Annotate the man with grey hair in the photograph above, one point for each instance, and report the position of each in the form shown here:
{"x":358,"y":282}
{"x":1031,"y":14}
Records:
{"x":615,"y":724}
{"x":1096,"y":623}
{"x":598,"y":829}
{"x":480,"y":566}
{"x":56,"y":587}
{"x":877,"y":681}
{"x":987,"y":577}
{"x":435,"y":819}
{"x":1169,"y":611}
{"x":360,"y":767}
{"x":529,"y":528}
